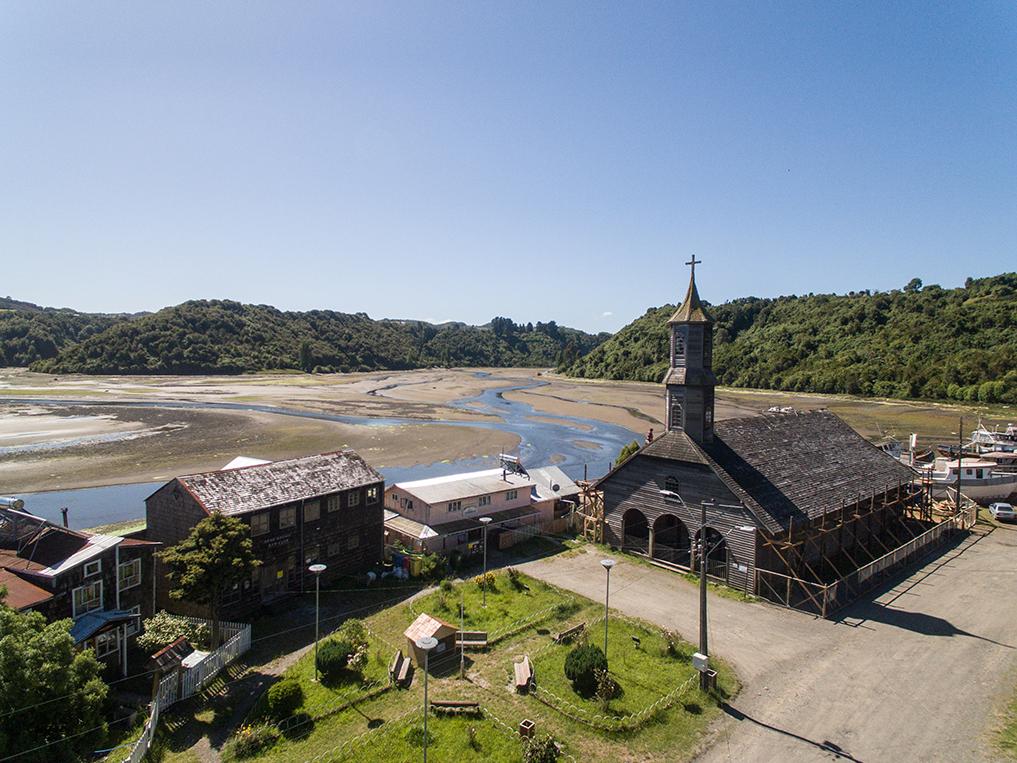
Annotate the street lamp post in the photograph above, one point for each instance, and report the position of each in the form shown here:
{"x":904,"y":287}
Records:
{"x":426,"y":643}
{"x":485,"y":521}
{"x":317,"y":569}
{"x":608,"y":564}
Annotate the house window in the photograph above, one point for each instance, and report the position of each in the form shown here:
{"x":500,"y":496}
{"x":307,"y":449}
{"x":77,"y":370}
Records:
{"x":107,"y":643}
{"x":129,"y":574}
{"x":311,"y":555}
{"x":259,"y":523}
{"x":353,"y":541}
{"x":455,"y":505}
{"x":408,"y":504}
{"x":334,"y":549}
{"x":372,"y":495}
{"x":86,"y":598}
{"x":312,"y":510}
{"x":485,"y":500}
{"x":511,"y":495}
{"x":354,"y":498}
{"x":93,"y":568}
{"x":134,"y":624}
{"x":332,"y":503}
{"x":287,"y":517}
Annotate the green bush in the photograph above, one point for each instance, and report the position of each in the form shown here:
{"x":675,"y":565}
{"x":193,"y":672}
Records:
{"x":581,"y":667}
{"x":162,"y":629}
{"x":432,"y":567}
{"x":541,"y":750}
{"x":333,"y":657}
{"x":284,"y":698}
{"x":249,"y":741}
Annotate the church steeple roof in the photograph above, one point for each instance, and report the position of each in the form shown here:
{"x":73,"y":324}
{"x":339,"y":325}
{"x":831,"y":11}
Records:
{"x":691,"y":309}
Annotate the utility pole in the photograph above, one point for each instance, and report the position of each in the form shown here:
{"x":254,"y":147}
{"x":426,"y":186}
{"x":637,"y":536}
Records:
{"x":960,"y":456}
{"x":462,"y":642}
{"x":704,"y":683}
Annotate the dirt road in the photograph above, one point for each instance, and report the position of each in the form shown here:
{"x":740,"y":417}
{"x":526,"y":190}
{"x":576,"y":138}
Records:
{"x":914,"y":673}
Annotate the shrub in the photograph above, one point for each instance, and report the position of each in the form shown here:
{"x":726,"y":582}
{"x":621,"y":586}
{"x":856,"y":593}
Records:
{"x":491,"y":579}
{"x":607,"y":688}
{"x":447,"y":585}
{"x":581,"y":666}
{"x":675,"y":645}
{"x":333,"y":656}
{"x":541,"y":750}
{"x":355,"y":633}
{"x":471,"y":738}
{"x":415,"y":736}
{"x":284,"y":698}
{"x":250,"y":740}
{"x":163,"y":629}
{"x":432,"y":567}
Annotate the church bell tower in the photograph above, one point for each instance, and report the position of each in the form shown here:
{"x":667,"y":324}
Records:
{"x":690,"y":380}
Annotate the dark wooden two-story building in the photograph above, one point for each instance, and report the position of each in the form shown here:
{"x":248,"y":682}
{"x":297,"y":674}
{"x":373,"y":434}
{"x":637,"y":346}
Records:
{"x":324,"y":509}
{"x":794,"y":501}
{"x":104,"y":583}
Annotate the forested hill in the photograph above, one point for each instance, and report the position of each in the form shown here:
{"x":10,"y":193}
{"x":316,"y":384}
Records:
{"x":229,"y":337}
{"x":926,"y":342}
{"x":29,"y":332}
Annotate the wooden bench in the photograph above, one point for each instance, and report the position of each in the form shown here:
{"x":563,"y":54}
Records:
{"x":453,"y":706}
{"x":565,"y":636}
{"x":524,"y":674}
{"x":399,"y":669}
{"x":472,"y":640}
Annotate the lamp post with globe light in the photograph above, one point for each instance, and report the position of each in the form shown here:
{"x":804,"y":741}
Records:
{"x":608,"y":564}
{"x":317,"y":569}
{"x":426,"y":643}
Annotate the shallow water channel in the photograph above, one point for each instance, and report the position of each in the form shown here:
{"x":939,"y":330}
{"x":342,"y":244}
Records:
{"x":572,"y":443}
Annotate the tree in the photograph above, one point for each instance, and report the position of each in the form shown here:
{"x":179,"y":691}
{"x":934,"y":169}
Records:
{"x":216,"y":555}
{"x":913,"y":286}
{"x":626,"y":451}
{"x":54,"y":690}
{"x":582,"y":665}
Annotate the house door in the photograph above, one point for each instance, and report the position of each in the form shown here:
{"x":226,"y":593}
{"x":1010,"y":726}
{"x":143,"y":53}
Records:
{"x":273,"y":581}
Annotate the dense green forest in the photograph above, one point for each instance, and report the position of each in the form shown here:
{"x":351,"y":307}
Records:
{"x":915,"y":342}
{"x":228,"y":337}
{"x":29,"y":333}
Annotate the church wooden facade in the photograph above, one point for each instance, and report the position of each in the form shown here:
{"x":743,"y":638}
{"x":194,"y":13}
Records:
{"x":794,"y":501}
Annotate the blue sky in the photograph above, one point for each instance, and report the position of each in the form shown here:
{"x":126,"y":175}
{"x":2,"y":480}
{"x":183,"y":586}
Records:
{"x":464,"y":160}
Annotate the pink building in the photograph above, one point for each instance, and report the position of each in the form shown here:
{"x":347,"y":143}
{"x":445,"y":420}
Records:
{"x":442,"y":514}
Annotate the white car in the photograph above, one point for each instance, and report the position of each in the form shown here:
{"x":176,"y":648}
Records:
{"x":1003,"y":512}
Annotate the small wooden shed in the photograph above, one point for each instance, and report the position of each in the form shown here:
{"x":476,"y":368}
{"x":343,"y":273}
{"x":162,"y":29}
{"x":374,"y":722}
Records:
{"x":425,"y":625}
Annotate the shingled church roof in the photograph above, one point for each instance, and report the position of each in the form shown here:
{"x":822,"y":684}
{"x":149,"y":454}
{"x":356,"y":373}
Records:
{"x":691,"y":309}
{"x":788,"y":466}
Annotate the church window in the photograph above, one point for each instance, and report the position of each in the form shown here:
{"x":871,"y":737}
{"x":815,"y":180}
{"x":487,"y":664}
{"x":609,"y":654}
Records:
{"x":672,"y":485}
{"x":679,"y":346}
{"x":677,"y":420}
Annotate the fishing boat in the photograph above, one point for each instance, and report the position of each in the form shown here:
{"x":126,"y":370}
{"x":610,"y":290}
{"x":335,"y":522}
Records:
{"x":981,"y":479}
{"x":994,"y":440}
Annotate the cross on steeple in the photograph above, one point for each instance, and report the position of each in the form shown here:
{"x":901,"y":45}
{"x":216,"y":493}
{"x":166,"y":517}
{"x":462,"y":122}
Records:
{"x":693,"y":262}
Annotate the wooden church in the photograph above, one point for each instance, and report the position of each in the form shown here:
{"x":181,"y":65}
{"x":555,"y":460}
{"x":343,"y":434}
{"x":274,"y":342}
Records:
{"x":795,"y":501}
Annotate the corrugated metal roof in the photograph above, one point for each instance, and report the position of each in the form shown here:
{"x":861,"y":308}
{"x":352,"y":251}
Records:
{"x":249,"y":488}
{"x":21,"y":593}
{"x":457,"y":487}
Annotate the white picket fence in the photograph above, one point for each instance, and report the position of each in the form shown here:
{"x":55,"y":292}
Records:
{"x":145,"y":740}
{"x":175,"y":687}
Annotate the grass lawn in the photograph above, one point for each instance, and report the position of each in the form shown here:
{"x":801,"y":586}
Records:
{"x":644,"y":673}
{"x":320,"y":695}
{"x":507,"y":605}
{"x":449,"y":741}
